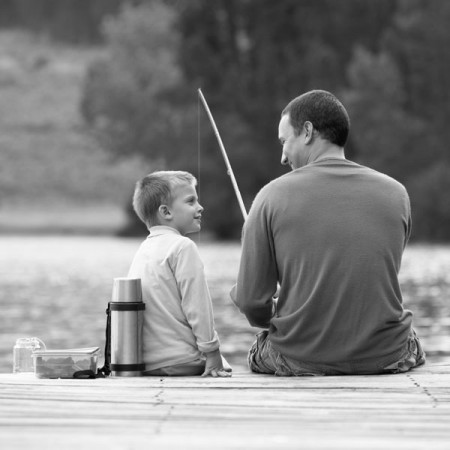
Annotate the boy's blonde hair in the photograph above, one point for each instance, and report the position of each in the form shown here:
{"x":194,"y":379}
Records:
{"x":156,"y":189}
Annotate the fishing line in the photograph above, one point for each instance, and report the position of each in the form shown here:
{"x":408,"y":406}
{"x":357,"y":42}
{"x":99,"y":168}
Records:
{"x":198,"y":158}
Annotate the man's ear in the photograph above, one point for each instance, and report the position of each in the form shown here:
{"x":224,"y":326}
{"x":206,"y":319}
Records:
{"x":165,"y":212}
{"x":309,"y":130}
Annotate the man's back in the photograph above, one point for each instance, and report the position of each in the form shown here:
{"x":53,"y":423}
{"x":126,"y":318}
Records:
{"x":337,"y":231}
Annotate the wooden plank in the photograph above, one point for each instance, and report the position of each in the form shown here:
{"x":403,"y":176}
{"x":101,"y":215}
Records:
{"x":246,"y":411}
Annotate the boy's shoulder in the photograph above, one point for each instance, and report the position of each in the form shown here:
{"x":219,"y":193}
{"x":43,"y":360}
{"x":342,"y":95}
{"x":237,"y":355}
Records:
{"x":167,"y":233}
{"x":171,"y":238}
{"x":184,"y":243}
{"x":182,"y":251}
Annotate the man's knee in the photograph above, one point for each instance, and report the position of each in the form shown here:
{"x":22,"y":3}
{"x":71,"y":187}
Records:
{"x":259,"y":360}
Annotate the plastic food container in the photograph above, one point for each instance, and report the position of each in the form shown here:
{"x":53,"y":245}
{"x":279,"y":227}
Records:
{"x":71,"y":363}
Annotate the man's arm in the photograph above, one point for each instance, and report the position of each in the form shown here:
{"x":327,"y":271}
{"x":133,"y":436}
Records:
{"x":257,"y":277}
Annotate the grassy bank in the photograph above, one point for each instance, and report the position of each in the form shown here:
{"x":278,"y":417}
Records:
{"x":52,"y":172}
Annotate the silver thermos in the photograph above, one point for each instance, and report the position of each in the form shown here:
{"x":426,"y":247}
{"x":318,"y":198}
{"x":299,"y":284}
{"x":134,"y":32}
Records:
{"x":127,"y":317}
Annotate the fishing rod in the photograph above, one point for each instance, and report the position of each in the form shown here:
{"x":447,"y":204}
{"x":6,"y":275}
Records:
{"x":233,"y":181}
{"x":225,"y":156}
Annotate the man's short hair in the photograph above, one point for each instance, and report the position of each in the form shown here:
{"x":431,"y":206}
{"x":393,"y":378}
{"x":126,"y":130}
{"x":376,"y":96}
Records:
{"x":326,"y":113}
{"x":156,"y":189}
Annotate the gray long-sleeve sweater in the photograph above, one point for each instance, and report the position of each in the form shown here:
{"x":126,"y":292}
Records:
{"x":332,"y":235}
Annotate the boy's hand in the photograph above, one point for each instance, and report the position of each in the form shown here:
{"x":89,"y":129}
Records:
{"x":214,"y":365}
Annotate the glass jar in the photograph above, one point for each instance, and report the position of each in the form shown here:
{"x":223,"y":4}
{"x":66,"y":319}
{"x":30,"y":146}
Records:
{"x":22,"y":354}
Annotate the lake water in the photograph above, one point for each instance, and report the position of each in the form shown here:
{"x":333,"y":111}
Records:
{"x":57,"y":288}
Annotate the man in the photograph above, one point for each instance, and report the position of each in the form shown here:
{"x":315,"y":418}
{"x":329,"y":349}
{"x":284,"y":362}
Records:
{"x":331,"y":233}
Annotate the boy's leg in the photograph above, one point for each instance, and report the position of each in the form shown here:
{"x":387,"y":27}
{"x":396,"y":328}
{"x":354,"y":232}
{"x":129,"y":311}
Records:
{"x":193,"y":368}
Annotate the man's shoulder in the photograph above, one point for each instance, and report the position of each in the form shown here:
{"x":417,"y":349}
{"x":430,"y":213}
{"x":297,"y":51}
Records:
{"x":285,"y":182}
{"x":292,"y":182}
{"x":280,"y":181}
{"x":383,"y":178}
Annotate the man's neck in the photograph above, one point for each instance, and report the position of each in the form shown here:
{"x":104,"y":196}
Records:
{"x":325,"y":150}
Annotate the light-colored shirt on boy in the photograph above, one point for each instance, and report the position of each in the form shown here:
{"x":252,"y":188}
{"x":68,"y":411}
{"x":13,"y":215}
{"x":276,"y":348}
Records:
{"x":178,"y":319}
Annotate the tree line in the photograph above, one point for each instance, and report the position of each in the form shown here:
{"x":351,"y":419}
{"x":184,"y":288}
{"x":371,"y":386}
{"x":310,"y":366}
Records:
{"x":71,"y":21}
{"x":387,"y":60}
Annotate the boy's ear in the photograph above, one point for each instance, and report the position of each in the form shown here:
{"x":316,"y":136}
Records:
{"x":165,"y":212}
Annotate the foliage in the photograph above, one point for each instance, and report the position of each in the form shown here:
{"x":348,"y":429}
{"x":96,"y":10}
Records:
{"x":135,"y":100}
{"x":127,"y":93}
{"x":254,"y":56}
{"x":75,"y":21}
{"x":387,"y":60}
{"x":399,"y":102}
{"x":383,"y":131}
{"x":430,"y":194}
{"x":53,"y":176}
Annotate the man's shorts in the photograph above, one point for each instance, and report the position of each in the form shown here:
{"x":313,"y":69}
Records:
{"x":263,"y":358}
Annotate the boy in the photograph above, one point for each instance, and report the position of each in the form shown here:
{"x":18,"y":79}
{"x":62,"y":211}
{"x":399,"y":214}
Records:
{"x":178,"y":334}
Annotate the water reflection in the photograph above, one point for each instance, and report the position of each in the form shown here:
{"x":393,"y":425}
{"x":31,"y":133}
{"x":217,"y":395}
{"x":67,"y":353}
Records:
{"x":57,"y":288}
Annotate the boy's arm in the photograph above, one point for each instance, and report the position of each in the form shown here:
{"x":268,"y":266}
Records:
{"x":197,"y":307}
{"x":195,"y":297}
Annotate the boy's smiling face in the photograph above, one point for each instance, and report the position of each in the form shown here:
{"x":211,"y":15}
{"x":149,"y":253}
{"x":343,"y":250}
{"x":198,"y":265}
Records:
{"x":185,"y":210}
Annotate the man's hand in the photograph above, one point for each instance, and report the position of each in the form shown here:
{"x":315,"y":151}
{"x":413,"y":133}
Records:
{"x":233,"y":293}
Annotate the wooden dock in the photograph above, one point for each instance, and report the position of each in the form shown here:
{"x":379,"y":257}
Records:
{"x":247,"y":411}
